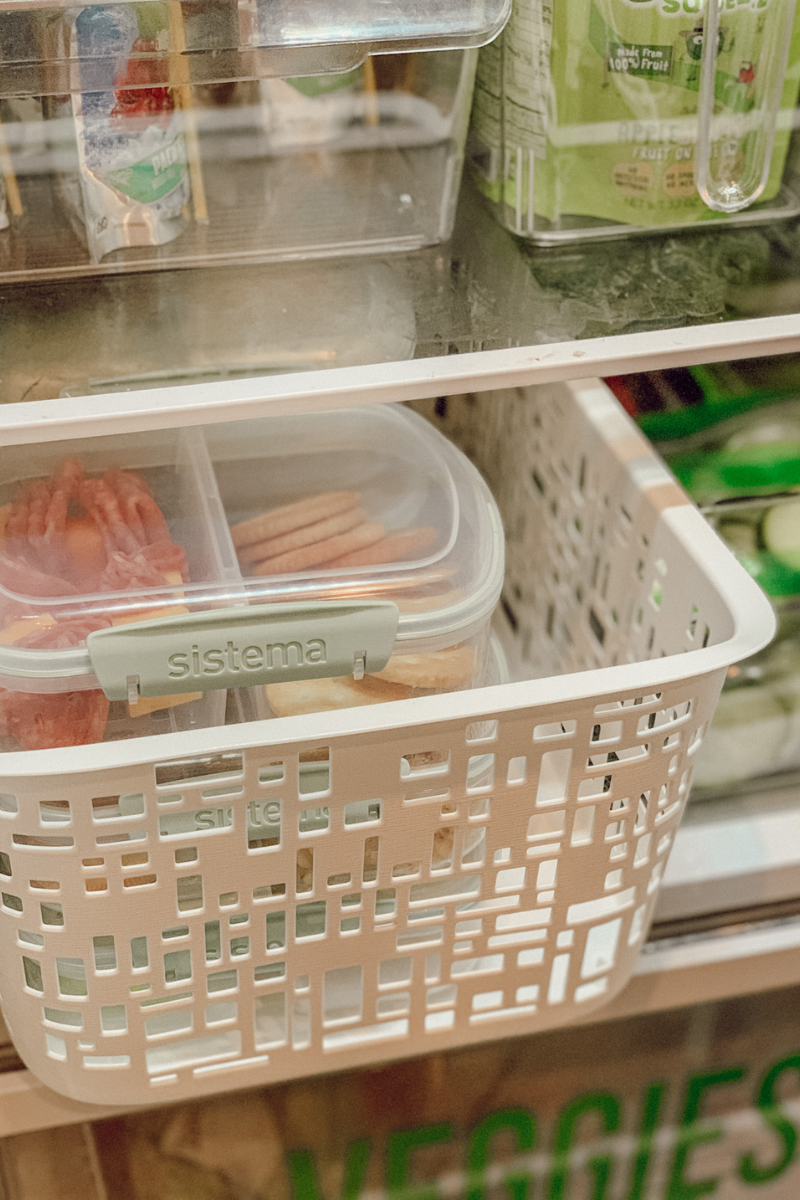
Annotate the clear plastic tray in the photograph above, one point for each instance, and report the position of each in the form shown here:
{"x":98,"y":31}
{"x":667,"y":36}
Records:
{"x":364,"y":528}
{"x":219,"y":41}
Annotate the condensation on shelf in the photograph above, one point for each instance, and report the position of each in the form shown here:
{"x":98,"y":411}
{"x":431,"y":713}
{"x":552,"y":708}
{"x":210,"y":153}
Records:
{"x":481,"y":291}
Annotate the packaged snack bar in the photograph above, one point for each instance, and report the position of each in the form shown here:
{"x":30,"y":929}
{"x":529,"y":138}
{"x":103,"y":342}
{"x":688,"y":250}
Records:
{"x":133,"y":178}
{"x":589,"y":109}
{"x":311,"y":109}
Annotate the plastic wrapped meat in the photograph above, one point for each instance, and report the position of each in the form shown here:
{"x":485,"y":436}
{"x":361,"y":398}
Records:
{"x":139,"y":510}
{"x":71,"y":536}
{"x":18,"y":575}
{"x":147,"y":567}
{"x":60,"y":635}
{"x":43,"y":721}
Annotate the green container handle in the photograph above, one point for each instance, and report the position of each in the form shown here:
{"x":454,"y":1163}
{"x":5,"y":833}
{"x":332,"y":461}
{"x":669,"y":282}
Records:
{"x":241,"y":647}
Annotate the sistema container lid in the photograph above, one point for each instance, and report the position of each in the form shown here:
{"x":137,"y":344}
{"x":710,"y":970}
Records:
{"x":51,"y":47}
{"x":134,"y":560}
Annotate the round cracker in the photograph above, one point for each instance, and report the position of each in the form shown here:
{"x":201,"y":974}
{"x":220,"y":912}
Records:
{"x":321,"y":552}
{"x":451,"y":668}
{"x":307,"y":536}
{"x":305,"y":696}
{"x":292,"y":516}
{"x":389,"y":549}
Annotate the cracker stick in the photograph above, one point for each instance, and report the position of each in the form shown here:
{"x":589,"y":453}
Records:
{"x":292,"y":516}
{"x":328,"y":695}
{"x":372,"y":114}
{"x":389,"y":549}
{"x":322,"y":552}
{"x":450,"y":668}
{"x":309,"y":535}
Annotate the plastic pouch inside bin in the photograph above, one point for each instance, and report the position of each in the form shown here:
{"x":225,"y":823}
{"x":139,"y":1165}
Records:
{"x":316,"y":563}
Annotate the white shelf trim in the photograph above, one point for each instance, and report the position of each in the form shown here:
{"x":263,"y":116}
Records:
{"x":417,"y":379}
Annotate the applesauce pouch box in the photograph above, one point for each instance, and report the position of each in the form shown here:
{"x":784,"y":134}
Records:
{"x":589,"y":109}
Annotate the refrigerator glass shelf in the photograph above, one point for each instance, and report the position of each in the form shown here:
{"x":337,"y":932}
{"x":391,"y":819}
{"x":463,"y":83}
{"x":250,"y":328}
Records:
{"x":482,"y":311}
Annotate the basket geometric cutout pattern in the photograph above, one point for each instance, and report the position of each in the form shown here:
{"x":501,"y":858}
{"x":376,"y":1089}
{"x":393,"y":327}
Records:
{"x":156,"y":937}
{"x":291,"y":901}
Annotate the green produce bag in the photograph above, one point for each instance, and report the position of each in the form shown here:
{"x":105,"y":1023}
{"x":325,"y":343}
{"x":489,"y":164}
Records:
{"x":588,"y":108}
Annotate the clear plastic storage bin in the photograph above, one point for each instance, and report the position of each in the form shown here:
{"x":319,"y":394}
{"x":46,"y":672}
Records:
{"x":136,"y":135}
{"x":320,"y":562}
{"x":233,"y":905}
{"x":602,"y":118}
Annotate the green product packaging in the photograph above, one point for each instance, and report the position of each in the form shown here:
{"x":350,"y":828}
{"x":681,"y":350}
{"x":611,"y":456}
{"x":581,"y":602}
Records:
{"x":588,"y":108}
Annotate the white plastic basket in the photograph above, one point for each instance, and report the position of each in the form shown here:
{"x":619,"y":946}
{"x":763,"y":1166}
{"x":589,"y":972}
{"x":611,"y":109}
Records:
{"x":143,"y":955}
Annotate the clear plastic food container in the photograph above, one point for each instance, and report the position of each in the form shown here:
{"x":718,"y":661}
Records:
{"x":312,"y":562}
{"x":603,"y":118}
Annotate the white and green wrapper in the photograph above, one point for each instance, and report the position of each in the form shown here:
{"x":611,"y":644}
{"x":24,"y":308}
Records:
{"x":586,"y":110}
{"x":133,"y":177}
{"x":310,"y":110}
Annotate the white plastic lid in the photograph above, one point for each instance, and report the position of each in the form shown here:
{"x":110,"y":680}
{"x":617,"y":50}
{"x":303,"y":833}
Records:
{"x":368,"y":504}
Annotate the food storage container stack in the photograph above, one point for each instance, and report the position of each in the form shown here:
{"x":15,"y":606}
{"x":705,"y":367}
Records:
{"x":154,"y":134}
{"x":603,"y":118}
{"x":389,"y":860}
{"x":357,"y":557}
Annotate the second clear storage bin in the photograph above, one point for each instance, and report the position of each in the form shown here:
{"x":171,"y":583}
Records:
{"x":605,"y":118}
